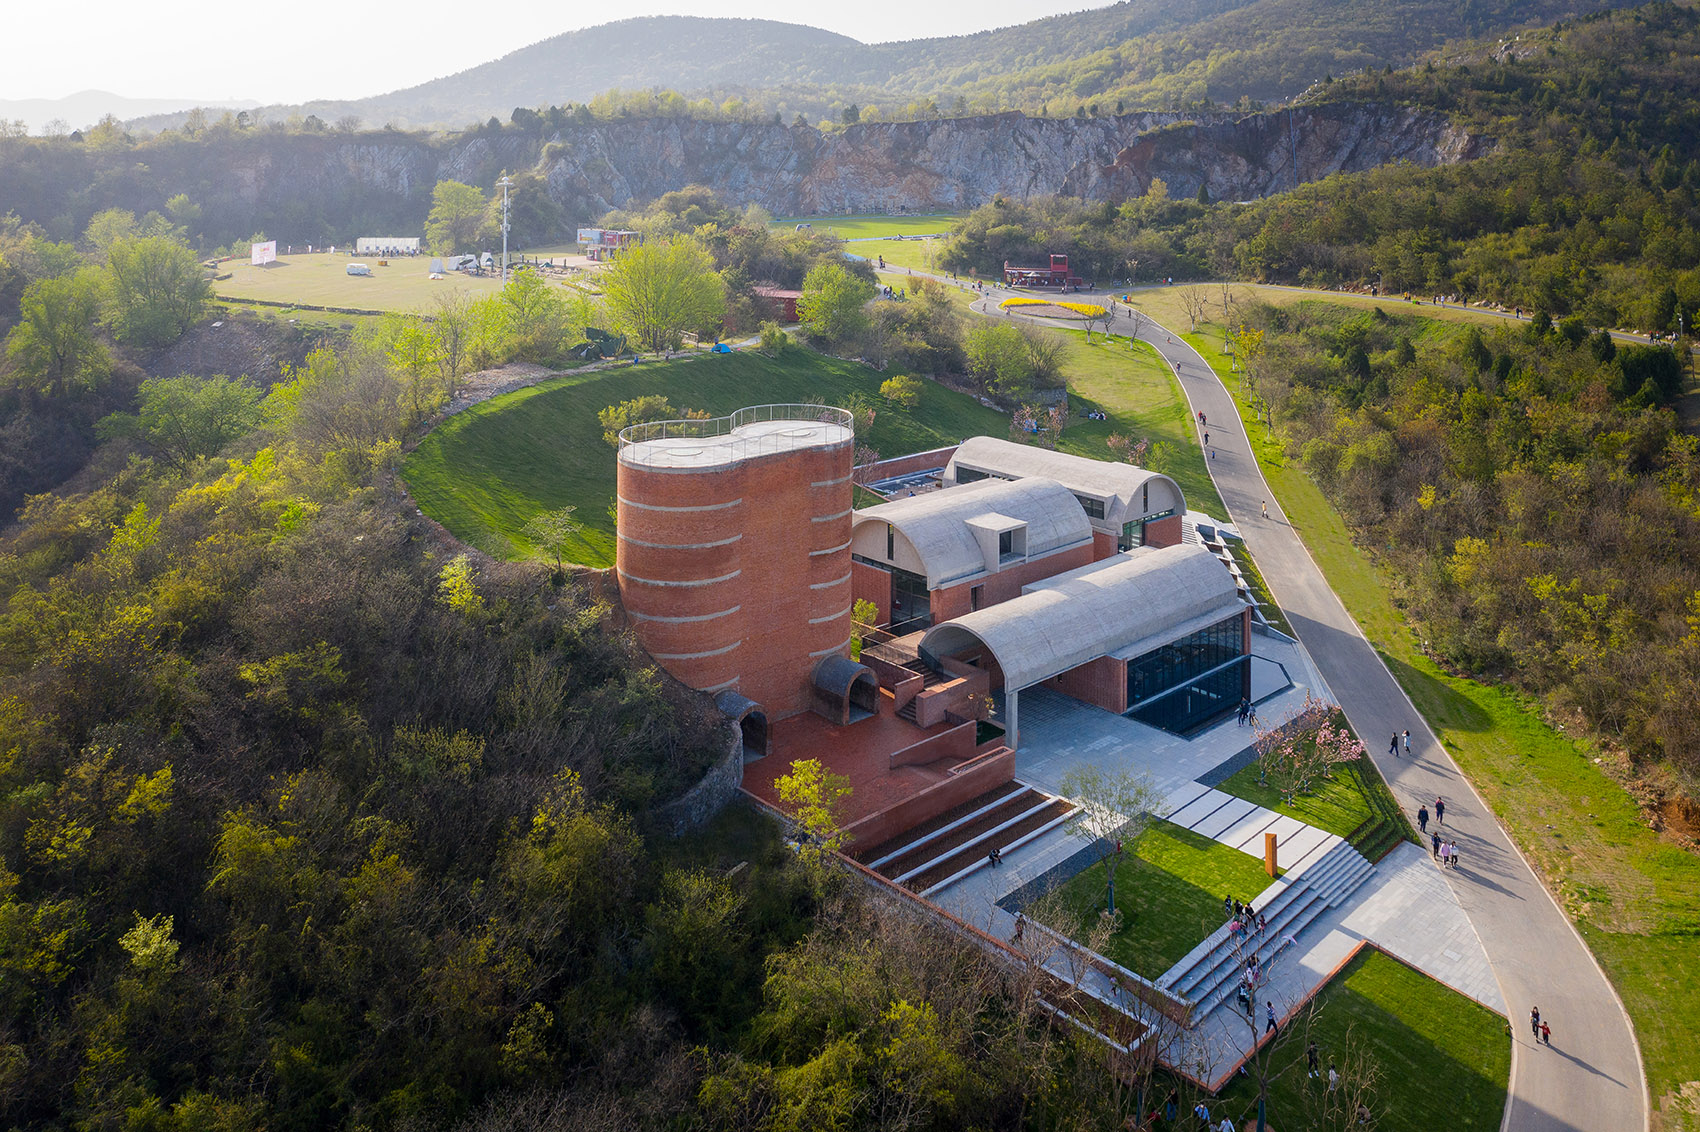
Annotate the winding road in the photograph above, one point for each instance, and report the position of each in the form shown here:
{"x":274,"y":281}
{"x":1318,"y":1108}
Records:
{"x":1590,"y":1079}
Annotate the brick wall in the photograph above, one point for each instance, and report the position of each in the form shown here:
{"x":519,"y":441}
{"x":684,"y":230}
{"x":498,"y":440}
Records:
{"x":1103,"y":545}
{"x":995,"y":771}
{"x":957,"y":743}
{"x":951,"y":602}
{"x":739,"y":575}
{"x":1101,"y":682}
{"x":903,"y":465}
{"x":870,"y":583}
{"x":1164,"y":532}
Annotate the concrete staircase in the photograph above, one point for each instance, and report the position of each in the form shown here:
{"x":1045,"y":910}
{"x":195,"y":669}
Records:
{"x":1211,"y":972}
{"x":942,"y":851}
{"x":933,"y":676}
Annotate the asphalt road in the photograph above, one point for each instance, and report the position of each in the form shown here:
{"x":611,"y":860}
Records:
{"x":1590,"y":1078}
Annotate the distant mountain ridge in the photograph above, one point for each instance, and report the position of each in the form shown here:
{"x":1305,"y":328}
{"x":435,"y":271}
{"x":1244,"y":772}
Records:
{"x":87,"y":107}
{"x":1147,"y":54}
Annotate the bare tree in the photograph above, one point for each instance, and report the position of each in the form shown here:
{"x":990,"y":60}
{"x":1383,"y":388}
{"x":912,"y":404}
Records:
{"x":1195,"y":301}
{"x":1114,"y":808}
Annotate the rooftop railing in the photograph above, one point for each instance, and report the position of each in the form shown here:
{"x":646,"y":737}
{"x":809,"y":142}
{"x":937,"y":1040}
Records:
{"x":719,"y":437}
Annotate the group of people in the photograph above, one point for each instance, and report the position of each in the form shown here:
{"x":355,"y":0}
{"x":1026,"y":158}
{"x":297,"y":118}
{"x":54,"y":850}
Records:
{"x":1541,"y":1027}
{"x":1245,"y":710}
{"x":1398,"y":738}
{"x":1094,"y":415}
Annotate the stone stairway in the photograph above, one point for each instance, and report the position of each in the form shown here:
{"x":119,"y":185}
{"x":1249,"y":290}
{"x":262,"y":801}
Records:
{"x":1210,"y":973}
{"x":942,"y":851}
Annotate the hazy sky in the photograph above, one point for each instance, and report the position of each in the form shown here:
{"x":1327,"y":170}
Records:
{"x":301,"y":49}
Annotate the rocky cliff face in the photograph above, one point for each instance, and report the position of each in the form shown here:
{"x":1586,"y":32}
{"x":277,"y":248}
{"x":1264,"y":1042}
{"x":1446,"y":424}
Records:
{"x":957,"y":164}
{"x":324,"y":188}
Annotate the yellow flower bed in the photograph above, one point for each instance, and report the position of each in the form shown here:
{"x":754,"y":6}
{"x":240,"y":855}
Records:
{"x":1085,"y":310}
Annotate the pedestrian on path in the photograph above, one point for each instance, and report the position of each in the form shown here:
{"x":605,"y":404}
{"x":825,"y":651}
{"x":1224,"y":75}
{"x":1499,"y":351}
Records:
{"x":1422,"y":819}
{"x":1446,"y":854}
{"x":1266,"y":508}
{"x":1227,"y":1124}
{"x":1270,"y":1026}
{"x":1440,"y":811}
{"x":1454,"y":854}
{"x":1227,"y":907}
{"x":1535,"y":1020}
{"x":1393,"y":745}
{"x":1546,"y":1033}
{"x":1407,"y":738}
{"x":1020,"y":927}
{"x":1435,"y":851}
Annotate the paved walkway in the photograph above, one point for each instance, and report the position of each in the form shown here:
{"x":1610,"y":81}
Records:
{"x":1591,"y":1077}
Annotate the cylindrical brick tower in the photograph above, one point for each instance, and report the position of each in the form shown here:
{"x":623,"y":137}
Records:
{"x":733,"y":556}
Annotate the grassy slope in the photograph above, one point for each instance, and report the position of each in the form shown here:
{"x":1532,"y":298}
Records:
{"x":1635,"y":897}
{"x":1169,"y":887}
{"x":899,"y":253}
{"x":1444,"y":1060}
{"x":484,"y":472}
{"x":1337,"y":805}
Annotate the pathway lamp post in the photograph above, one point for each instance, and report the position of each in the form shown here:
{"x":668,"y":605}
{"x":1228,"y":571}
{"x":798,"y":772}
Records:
{"x":505,"y":184}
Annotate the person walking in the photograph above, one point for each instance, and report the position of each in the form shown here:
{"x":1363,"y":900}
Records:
{"x":1393,"y":745}
{"x":1270,"y":1026}
{"x":1020,"y":927}
{"x":1266,"y":508}
{"x":1311,"y":1061}
{"x":1535,"y":1020}
{"x":1434,"y":850}
{"x":1454,"y":854}
{"x":1546,"y":1033}
{"x":1407,"y":738}
{"x":1440,"y":811}
{"x":1207,"y":439}
{"x":1333,"y":1077}
{"x":1422,"y":819}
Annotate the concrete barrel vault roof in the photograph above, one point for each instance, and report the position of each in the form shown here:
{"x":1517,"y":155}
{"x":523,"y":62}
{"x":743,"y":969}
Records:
{"x":936,"y":524}
{"x":1079,"y":616}
{"x":1122,"y":486}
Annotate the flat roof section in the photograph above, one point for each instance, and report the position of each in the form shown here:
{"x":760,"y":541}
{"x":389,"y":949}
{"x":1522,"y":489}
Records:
{"x":762,"y":430}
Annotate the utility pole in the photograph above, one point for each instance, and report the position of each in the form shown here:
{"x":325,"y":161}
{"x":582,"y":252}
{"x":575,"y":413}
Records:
{"x":505,"y":184}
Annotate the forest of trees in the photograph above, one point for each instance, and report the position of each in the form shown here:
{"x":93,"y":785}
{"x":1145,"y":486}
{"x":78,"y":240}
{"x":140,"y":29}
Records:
{"x":1533,"y":491}
{"x":1591,"y":206}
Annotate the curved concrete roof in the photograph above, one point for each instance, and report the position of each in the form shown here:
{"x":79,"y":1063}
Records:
{"x":1122,"y":485}
{"x":1065,"y":621}
{"x":936,"y":524}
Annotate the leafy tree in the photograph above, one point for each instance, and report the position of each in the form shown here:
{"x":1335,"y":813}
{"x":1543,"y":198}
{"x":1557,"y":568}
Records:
{"x":187,"y":418}
{"x":535,"y":318}
{"x":773,"y":339}
{"x":998,"y":358}
{"x":106,"y":228}
{"x":158,"y":289}
{"x":54,"y":345}
{"x":641,"y":410}
{"x":553,"y":531}
{"x":902,"y":390}
{"x":832,"y":306}
{"x":459,"y":220}
{"x":815,"y":795}
{"x":657,"y":292}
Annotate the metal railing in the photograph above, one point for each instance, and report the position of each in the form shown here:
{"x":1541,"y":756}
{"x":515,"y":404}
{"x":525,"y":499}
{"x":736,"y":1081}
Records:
{"x":718,"y":428}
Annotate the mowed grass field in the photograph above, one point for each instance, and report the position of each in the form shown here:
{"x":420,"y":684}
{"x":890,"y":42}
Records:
{"x":1442,"y":1061}
{"x":323,"y":281}
{"x":1634,"y":895}
{"x":485,"y":472}
{"x":1169,"y":889}
{"x":878,"y":235}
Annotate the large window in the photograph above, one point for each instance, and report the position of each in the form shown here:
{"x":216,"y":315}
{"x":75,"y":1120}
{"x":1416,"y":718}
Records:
{"x":911,"y":604}
{"x":1186,"y":683}
{"x":970,"y":475}
{"x":1094,"y":508}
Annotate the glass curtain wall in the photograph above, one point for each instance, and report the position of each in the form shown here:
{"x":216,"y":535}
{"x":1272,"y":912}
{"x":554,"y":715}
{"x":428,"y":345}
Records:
{"x":911,"y":604}
{"x":1179,"y":669}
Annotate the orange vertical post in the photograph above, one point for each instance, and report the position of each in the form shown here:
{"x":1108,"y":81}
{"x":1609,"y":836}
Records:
{"x":1269,"y":853}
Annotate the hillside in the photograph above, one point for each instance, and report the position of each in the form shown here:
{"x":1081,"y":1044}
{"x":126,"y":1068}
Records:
{"x":328,"y":188}
{"x":1140,"y":53}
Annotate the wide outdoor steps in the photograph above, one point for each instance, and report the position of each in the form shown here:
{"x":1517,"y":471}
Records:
{"x":959,"y":841}
{"x":1210,"y":972}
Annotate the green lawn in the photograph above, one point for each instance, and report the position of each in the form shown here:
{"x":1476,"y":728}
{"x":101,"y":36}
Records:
{"x":1169,"y":890}
{"x":323,"y":280}
{"x":866,"y":230}
{"x":484,"y":472}
{"x":1342,"y":805}
{"x":1635,"y":896}
{"x":1442,"y":1061}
